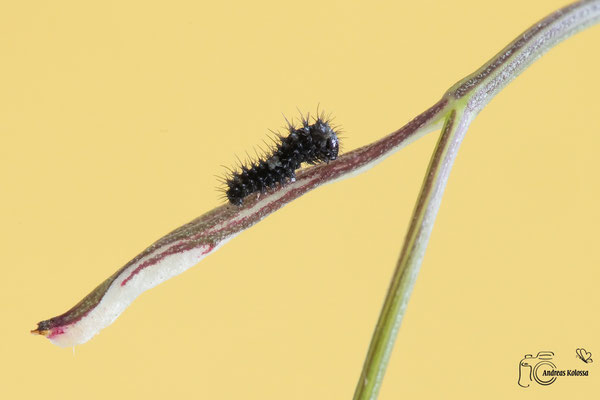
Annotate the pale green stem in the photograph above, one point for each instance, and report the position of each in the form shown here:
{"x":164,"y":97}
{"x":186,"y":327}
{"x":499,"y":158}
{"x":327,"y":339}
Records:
{"x":465,"y":100}
{"x":412,"y":254}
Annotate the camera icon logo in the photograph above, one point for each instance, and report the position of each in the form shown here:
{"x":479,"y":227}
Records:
{"x":533,"y":369}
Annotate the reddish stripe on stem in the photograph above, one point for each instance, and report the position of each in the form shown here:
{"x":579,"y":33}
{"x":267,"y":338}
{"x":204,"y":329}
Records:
{"x":180,"y":248}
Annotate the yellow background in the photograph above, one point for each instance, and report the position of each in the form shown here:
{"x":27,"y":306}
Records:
{"x":115,"y":117}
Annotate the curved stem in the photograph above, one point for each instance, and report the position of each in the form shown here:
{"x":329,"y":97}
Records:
{"x":465,"y":99}
{"x":190,"y":243}
{"x":478,"y":88}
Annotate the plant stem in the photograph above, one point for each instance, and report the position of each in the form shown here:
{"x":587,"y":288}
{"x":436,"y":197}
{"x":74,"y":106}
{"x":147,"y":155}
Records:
{"x":411,"y":256}
{"x":465,"y":99}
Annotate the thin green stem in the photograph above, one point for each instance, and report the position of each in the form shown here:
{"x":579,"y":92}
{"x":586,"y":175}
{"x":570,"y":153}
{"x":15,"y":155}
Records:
{"x":412,"y":254}
{"x":464,"y":101}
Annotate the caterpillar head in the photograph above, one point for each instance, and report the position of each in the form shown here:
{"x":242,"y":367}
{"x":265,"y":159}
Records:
{"x":328,"y":144}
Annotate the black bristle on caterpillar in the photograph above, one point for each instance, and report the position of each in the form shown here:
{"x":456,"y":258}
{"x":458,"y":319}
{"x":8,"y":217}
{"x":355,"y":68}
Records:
{"x":310,"y":143}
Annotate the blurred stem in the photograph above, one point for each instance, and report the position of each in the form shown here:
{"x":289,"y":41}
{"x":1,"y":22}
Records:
{"x":465,"y":100}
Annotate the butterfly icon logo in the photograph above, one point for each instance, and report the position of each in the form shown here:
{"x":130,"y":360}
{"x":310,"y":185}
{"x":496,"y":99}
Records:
{"x":585,"y":356}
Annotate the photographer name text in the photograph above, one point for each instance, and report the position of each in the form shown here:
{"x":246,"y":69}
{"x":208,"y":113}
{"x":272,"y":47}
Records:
{"x":567,"y":372}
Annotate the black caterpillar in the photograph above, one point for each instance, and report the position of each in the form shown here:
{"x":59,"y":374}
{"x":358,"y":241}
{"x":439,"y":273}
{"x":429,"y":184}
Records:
{"x":311,"y":143}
